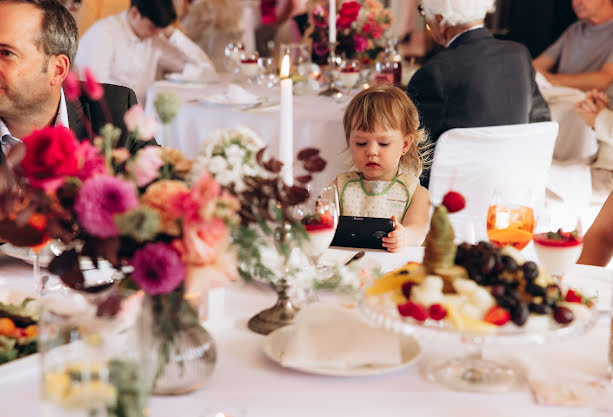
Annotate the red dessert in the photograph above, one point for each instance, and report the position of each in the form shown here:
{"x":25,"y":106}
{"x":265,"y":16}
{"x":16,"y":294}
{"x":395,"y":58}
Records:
{"x":558,"y":239}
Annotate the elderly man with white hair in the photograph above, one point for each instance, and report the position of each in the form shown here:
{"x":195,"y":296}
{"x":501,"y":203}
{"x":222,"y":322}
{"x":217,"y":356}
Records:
{"x":477,"y":80}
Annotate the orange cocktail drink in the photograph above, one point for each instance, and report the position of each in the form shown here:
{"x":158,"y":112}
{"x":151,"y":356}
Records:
{"x":510,"y":225}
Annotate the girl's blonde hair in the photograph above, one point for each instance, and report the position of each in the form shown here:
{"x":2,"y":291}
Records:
{"x":387,"y":107}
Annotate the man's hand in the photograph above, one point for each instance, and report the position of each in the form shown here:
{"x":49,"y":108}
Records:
{"x":397,"y":238}
{"x":589,"y":108}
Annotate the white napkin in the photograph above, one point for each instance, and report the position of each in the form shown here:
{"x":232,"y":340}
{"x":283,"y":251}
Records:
{"x":325,"y":335}
{"x":235,"y":94}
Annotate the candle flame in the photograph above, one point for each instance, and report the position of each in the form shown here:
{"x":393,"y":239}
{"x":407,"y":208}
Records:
{"x":285,"y":67}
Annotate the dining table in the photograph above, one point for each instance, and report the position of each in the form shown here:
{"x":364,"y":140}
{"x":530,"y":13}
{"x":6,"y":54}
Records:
{"x":317,"y":120}
{"x":247,"y":383}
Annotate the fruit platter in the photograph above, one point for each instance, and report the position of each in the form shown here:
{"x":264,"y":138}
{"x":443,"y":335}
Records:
{"x":18,"y":330}
{"x":478,"y":290}
{"x":482,"y":294}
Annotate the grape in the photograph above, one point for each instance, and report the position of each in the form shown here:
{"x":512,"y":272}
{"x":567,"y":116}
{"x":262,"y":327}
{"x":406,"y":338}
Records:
{"x":563,"y":315}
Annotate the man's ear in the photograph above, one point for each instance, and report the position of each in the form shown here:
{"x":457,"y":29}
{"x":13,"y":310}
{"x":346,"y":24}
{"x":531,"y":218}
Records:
{"x":59,"y":66}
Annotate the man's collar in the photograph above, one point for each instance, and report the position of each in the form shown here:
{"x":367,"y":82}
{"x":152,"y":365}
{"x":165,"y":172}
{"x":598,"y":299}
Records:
{"x":479,"y":26}
{"x":124,"y":19}
{"x":61,"y":118}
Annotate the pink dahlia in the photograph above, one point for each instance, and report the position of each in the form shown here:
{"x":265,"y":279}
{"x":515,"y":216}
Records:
{"x":101,"y":198}
{"x":157,"y":268}
{"x":360,"y":42}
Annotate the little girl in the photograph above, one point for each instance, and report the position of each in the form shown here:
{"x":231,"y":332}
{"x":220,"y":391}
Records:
{"x":389,"y":151}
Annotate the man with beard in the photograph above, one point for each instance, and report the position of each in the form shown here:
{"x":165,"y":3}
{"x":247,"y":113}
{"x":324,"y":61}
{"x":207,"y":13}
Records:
{"x":38,"y":43}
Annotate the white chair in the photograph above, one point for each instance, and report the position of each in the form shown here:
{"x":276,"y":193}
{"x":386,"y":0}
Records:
{"x":476,"y":161}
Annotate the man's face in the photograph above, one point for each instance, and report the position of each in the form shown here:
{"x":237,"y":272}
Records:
{"x":25,"y":79}
{"x":142,"y":26}
{"x":590,"y":9}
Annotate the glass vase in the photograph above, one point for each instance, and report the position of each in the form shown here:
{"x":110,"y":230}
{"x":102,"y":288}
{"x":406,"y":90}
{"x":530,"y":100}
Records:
{"x":93,"y":354}
{"x":184,"y":352}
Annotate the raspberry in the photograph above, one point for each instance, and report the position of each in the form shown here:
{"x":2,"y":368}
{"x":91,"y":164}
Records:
{"x":437,"y":312}
{"x":572,"y":297}
{"x":454,"y":201}
{"x":419,"y":312}
{"x":497,"y":315}
{"x":406,"y":309}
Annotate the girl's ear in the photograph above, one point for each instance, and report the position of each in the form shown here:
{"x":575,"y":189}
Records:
{"x":406,"y":144}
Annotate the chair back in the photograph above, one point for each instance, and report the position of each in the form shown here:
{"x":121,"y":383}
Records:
{"x":476,"y":161}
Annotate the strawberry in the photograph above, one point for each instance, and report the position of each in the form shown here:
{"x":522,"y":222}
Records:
{"x":573,"y":296}
{"x":454,"y":201}
{"x":497,"y":315}
{"x":437,"y":312}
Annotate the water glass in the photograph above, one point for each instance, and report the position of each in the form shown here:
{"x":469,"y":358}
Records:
{"x":93,"y":350}
{"x":268,"y":71}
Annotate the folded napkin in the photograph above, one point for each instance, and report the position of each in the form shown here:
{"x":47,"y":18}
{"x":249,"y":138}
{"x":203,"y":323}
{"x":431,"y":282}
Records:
{"x":325,"y":335}
{"x":234,"y":95}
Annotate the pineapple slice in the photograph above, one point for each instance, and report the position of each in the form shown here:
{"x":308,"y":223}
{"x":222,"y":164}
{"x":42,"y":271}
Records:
{"x":393,"y":280}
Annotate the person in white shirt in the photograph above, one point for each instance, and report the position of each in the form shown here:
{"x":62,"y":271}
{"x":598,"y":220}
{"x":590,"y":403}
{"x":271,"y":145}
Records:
{"x":133,"y":47}
{"x":596,"y":113}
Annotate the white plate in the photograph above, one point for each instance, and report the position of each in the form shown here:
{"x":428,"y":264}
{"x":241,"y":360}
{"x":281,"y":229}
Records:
{"x":228,"y":104}
{"x":180,"y":79}
{"x":275,"y":343}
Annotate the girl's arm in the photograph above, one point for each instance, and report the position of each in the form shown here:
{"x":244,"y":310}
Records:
{"x":414,"y":228}
{"x":598,"y":241}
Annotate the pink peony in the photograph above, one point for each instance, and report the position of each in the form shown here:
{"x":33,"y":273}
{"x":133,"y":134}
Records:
{"x":91,"y":162}
{"x":360,"y":42}
{"x":92,"y":88}
{"x":72,"y":87}
{"x":194,"y":204}
{"x":157,"y":268}
{"x":144,"y":127}
{"x":146,"y":165}
{"x":100,"y":198}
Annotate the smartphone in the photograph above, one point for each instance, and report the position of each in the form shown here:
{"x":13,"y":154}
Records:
{"x":362,"y":232}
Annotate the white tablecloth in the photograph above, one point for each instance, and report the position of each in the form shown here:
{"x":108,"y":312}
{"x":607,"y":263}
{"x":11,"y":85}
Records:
{"x":317,"y":122}
{"x":245,"y":379}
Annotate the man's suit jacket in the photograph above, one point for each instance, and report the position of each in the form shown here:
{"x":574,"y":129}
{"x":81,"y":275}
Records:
{"x":477,"y":81}
{"x":86,"y":116}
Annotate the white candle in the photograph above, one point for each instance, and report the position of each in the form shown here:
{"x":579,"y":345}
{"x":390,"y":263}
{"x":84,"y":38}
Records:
{"x":332,"y":21}
{"x":286,"y":138}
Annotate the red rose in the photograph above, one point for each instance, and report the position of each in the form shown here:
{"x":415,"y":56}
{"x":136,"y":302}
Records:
{"x":347,"y":14}
{"x":50,"y":157}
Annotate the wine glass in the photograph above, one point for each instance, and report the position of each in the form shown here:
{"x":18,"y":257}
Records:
{"x":558,"y":241}
{"x":510,"y":219}
{"x":249,"y":66}
{"x":349,"y":74}
{"x":319,"y":216}
{"x":268,"y":71}
{"x":232,"y":52}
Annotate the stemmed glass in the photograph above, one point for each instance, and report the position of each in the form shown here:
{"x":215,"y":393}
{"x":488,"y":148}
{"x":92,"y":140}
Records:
{"x":249,"y":66}
{"x":319,"y":216}
{"x":558,"y":241}
{"x":349,"y":74}
{"x":510,"y":220}
{"x":268,"y":71}
{"x":233,"y":55}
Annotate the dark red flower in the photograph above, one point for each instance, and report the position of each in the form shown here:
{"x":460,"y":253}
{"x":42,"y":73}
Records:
{"x":51,"y":156}
{"x":454,"y":201}
{"x":321,"y":48}
{"x":347,"y":14}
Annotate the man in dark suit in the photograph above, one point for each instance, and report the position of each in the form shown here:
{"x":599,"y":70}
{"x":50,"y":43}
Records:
{"x":38,"y":42}
{"x":478,"y":80}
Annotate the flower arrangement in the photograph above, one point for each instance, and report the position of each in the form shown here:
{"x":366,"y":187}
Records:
{"x":268,"y":229}
{"x":361,"y":30}
{"x":166,"y":230}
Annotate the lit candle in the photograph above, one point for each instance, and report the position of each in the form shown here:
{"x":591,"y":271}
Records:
{"x":286,"y":138}
{"x":332,"y":21}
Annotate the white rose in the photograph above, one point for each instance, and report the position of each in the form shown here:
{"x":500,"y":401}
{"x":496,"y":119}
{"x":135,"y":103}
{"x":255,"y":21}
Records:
{"x":217,"y":165}
{"x":234,"y":155}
